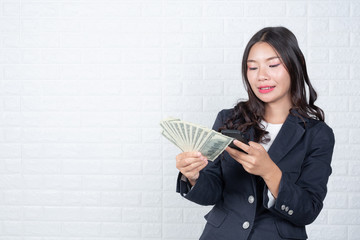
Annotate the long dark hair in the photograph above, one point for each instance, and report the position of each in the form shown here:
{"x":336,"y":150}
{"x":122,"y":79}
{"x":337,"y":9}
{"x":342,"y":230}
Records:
{"x":248,"y":114}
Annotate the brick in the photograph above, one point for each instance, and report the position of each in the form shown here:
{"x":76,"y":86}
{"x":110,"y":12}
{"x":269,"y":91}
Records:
{"x":41,"y":166}
{"x":329,"y":39}
{"x":354,"y":200}
{"x":339,"y":168}
{"x":322,"y":218}
{"x":296,"y":9}
{"x":172,"y":55}
{"x":344,"y":87}
{"x":204,"y":88}
{"x":40,"y":9}
{"x":13,"y":197}
{"x":152,"y":9}
{"x":223,"y":72}
{"x":343,"y":24}
{"x":129,"y":198}
{"x":10,"y":166}
{"x":38,"y":25}
{"x":182,"y":104}
{"x":233,"y":56}
{"x":151,"y":199}
{"x":354,"y":167}
{"x":14,"y":228}
{"x":141,"y":183}
{"x":104,"y":214}
{"x":122,"y":230}
{"x":202,"y":25}
{"x":9,"y":24}
{"x":333,"y":9}
{"x":343,"y":136}
{"x":152,"y":167}
{"x":327,"y":232}
{"x":173,"y":215}
{"x":214,"y":104}
{"x":39,"y":40}
{"x":10,"y":8}
{"x":81,"y":229}
{"x":182,"y":9}
{"x":344,"y":216}
{"x":10,"y":56}
{"x":336,"y":200}
{"x":203,"y":56}
{"x":223,"y":9}
{"x":151,"y":230}
{"x":182,"y":40}
{"x":183,"y":231}
{"x":331,"y":104}
{"x":264,"y":9}
{"x":196,"y":215}
{"x":344,"y":184}
{"x":354,"y":232}
{"x":141,"y":88}
{"x":235,"y":88}
{"x":10,"y":213}
{"x":81,"y":198}
{"x":243,"y":25}
{"x":28,"y":72}
{"x":318,"y":24}
{"x":355,"y":9}
{"x":169,"y":182}
{"x":144,"y":215}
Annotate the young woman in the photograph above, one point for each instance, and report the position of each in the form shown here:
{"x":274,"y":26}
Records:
{"x":278,"y":186}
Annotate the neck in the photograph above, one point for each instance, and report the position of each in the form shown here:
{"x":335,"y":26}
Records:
{"x":276,"y":114}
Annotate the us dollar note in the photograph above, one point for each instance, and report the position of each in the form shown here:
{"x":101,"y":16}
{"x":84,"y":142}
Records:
{"x":215,"y":145}
{"x":192,"y":137}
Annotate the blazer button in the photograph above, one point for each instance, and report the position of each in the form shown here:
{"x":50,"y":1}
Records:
{"x":283,"y":207}
{"x":290,"y":212}
{"x":251,"y":199}
{"x":246,"y":225}
{"x":286,"y":209}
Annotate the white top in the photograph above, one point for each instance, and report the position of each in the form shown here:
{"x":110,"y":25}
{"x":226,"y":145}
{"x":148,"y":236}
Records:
{"x":273,"y":130}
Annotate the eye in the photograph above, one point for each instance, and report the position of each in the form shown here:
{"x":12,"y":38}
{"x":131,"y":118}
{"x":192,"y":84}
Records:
{"x":252,"y":68}
{"x":275,"y":65}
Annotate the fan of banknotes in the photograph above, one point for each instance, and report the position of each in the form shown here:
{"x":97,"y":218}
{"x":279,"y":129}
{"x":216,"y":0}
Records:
{"x":192,"y":137}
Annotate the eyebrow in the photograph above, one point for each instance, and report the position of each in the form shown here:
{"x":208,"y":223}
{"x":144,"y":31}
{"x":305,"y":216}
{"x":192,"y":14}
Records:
{"x":270,"y":58}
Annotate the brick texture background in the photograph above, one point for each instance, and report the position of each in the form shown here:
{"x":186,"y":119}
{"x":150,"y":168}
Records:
{"x":84,"y":84}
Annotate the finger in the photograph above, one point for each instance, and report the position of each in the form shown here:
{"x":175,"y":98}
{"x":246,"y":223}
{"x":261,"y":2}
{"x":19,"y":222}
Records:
{"x":235,"y":153}
{"x":191,"y":154}
{"x":187,"y":161}
{"x":184,"y":155}
{"x":255,"y":145}
{"x":193,"y":167}
{"x":242,"y":145}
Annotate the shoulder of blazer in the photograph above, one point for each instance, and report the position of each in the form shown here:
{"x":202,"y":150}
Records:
{"x":307,"y":123}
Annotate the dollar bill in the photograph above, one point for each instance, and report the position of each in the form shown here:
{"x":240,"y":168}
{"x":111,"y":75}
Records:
{"x":192,"y":137}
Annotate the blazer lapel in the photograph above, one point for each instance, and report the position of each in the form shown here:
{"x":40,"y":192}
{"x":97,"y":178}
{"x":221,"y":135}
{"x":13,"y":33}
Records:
{"x":290,"y":133}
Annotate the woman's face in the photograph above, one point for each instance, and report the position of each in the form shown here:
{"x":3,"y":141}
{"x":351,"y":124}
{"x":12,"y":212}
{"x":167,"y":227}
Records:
{"x":267,"y":76}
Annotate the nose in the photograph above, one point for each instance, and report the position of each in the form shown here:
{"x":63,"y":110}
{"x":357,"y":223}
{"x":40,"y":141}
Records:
{"x":262,"y":76}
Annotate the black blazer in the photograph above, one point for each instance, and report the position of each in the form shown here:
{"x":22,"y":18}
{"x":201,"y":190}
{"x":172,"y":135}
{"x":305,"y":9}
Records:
{"x":302,"y":151}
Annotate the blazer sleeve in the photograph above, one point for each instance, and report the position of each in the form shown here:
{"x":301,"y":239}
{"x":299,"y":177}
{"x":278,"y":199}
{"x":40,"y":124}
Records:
{"x":209,"y":185}
{"x":301,"y":201}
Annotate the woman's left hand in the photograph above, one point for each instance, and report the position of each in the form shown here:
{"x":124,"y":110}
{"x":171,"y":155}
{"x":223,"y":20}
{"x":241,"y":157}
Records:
{"x":257,"y":162}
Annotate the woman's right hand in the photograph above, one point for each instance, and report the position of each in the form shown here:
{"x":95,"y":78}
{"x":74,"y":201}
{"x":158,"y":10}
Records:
{"x":190,"y":164}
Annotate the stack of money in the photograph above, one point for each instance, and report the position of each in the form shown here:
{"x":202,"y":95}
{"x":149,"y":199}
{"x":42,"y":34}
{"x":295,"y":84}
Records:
{"x":192,"y":137}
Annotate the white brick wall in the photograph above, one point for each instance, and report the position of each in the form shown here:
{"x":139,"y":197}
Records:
{"x":83,"y":85}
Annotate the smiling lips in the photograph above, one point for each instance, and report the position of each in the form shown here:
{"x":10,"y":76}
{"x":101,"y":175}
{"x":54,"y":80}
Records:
{"x":266,"y":89}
